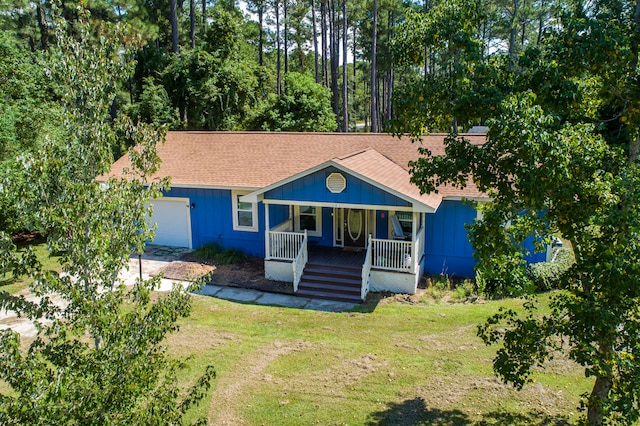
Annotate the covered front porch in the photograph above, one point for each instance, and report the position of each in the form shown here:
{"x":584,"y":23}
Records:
{"x":333,"y":251}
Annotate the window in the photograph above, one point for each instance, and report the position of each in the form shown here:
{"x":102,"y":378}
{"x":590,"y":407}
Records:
{"x":406,"y":221}
{"x":245,"y":215}
{"x":309,"y":218}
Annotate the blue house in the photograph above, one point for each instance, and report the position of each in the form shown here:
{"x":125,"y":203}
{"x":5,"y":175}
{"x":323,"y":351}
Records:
{"x":335,"y":214}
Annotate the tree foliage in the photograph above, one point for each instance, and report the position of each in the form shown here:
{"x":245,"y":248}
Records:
{"x":304,"y":106}
{"x":98,"y":357}
{"x":561,"y":157}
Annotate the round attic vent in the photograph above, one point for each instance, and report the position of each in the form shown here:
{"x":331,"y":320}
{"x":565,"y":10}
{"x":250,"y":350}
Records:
{"x":336,"y":183}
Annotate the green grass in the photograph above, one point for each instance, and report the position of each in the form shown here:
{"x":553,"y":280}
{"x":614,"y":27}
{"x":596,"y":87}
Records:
{"x":12,"y":284}
{"x":393,"y":363}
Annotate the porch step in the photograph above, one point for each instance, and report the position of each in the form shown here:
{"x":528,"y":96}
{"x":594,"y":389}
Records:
{"x":331,"y":282}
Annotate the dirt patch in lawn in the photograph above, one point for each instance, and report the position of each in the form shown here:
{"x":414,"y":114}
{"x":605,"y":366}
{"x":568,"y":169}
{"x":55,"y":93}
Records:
{"x":228,"y":396}
{"x":246,"y":274}
{"x":186,"y":271}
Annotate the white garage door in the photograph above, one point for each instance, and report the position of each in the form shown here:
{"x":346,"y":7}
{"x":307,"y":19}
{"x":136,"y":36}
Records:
{"x":174,"y":222}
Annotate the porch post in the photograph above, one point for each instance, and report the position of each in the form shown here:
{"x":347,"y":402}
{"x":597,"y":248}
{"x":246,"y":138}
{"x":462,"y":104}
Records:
{"x":291,"y":218}
{"x":414,"y":226}
{"x":414,"y":240}
{"x":267,"y":235}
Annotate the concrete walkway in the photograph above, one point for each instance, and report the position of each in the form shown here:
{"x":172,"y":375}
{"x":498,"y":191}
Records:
{"x":244,"y":295}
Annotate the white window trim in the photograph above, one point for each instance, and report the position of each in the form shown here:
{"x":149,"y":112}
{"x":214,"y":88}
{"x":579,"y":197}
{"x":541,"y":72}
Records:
{"x":318,"y":232}
{"x":254,"y":213}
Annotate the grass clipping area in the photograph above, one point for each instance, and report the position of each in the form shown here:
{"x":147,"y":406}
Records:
{"x":393,"y":362}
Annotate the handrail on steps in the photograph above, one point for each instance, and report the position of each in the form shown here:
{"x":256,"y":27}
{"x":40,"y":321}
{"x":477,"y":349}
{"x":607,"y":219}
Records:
{"x":300,"y":262}
{"x":366,"y":271}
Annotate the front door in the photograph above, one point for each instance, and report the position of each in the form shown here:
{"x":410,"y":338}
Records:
{"x":355,"y":228}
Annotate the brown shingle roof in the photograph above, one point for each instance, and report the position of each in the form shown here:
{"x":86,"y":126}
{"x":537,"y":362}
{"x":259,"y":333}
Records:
{"x":378,"y":168}
{"x":253,"y":160}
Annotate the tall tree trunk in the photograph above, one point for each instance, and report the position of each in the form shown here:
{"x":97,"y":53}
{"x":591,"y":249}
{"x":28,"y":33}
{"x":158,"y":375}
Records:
{"x":426,"y":46}
{"x":345,"y":79}
{"x":390,"y":74}
{"x":599,"y":393}
{"x":602,"y":386}
{"x":325,"y":47}
{"x":286,"y":36}
{"x":355,"y":75}
{"x":192,"y":22}
{"x":634,"y":146}
{"x":374,"y":72}
{"x":175,"y":47}
{"x":512,"y":30}
{"x":278,"y":62}
{"x":540,"y":24}
{"x":335,"y":60}
{"x":261,"y":36}
{"x":44,"y":28}
{"x":315,"y":40}
{"x":390,"y":83}
{"x":204,"y":17}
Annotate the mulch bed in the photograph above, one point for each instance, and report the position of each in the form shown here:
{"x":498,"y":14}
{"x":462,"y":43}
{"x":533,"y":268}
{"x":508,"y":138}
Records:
{"x":248,"y":274}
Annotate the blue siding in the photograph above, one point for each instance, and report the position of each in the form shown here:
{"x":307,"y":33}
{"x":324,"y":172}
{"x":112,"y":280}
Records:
{"x":313,"y":188}
{"x":533,"y":257}
{"x":447,"y":247}
{"x":277,"y":214}
{"x":212,"y":220}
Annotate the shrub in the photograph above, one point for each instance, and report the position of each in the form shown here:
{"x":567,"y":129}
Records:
{"x":212,"y":251}
{"x":207,"y":251}
{"x":464,"y":289}
{"x":230,"y":256}
{"x":504,"y":277}
{"x":440,"y":282}
{"x":547,"y":275}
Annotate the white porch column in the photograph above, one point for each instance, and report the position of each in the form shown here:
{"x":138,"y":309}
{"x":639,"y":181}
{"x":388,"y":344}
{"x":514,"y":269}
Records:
{"x":414,"y":240}
{"x":267,"y":236}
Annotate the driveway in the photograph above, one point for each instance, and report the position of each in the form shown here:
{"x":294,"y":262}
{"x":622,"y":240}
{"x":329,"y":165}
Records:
{"x":152,"y":261}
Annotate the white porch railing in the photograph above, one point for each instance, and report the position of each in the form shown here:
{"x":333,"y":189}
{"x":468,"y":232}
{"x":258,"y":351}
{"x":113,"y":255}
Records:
{"x":393,"y":255}
{"x":300,"y":262}
{"x":366,"y":271}
{"x":283,"y":245}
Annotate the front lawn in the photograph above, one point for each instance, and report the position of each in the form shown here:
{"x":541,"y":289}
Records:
{"x":396,"y":362}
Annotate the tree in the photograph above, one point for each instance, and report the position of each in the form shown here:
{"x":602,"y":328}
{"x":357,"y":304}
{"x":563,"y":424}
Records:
{"x":98,"y":357}
{"x":459,"y":77}
{"x":29,"y":115}
{"x":561,"y":157}
{"x":345,"y":79}
{"x":304,"y":106}
{"x":258,"y":7}
{"x":173,"y":20}
{"x":155,"y":106}
{"x":375,"y":111}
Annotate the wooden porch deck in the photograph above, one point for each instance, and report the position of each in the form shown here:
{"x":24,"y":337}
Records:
{"x":336,"y":256}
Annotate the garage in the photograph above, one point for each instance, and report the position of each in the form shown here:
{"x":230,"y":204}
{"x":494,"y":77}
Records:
{"x":173,"y":220}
